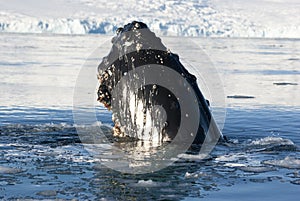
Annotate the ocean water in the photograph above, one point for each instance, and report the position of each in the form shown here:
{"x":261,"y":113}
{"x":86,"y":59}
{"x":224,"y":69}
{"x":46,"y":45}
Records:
{"x":42,"y":157}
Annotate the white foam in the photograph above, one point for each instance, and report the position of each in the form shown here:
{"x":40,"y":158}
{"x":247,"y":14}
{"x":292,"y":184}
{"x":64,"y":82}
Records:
{"x":148,"y":183}
{"x":272,"y":141}
{"x":197,"y":157}
{"x":194,"y":175}
{"x":230,"y":157}
{"x":287,"y":162}
{"x":257,"y":169}
{"x":234,"y":165}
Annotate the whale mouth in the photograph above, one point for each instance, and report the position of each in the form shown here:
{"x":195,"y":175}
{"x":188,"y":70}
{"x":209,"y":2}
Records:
{"x":141,"y":108}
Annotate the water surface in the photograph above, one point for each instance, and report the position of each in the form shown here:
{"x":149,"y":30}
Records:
{"x":41,"y":155}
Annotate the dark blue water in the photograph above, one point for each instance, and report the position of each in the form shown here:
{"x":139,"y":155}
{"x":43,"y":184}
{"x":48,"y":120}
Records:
{"x":263,"y":122}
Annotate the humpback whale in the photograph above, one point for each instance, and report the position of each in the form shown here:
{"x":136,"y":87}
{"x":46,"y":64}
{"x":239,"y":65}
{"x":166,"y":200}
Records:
{"x":142,"y":107}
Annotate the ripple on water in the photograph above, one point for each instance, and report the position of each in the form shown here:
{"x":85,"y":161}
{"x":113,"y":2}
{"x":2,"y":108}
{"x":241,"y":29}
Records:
{"x":257,"y":169}
{"x":284,"y":83}
{"x":10,"y":170}
{"x":272,"y":144}
{"x":297,"y":182}
{"x":272,"y":140}
{"x":47,"y":193}
{"x":287,"y":162}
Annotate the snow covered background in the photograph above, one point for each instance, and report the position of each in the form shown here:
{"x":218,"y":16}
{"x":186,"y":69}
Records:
{"x":208,"y":18}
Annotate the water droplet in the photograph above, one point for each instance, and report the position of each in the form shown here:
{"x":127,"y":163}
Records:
{"x":137,"y":25}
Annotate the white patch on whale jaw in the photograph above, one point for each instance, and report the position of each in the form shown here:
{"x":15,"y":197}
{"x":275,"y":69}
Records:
{"x":138,"y":119}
